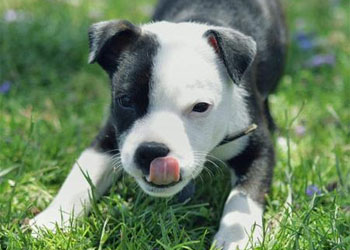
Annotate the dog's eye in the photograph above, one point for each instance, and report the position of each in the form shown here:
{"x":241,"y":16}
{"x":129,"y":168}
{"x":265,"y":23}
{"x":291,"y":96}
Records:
{"x":125,"y":101}
{"x":200,"y":107}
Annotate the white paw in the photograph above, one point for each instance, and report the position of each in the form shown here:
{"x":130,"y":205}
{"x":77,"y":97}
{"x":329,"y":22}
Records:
{"x":236,"y":237}
{"x":241,"y":223}
{"x":48,"y":219}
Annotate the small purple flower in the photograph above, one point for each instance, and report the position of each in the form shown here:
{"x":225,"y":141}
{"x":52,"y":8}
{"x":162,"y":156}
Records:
{"x":5,"y":87}
{"x":305,"y":41}
{"x":10,"y":16}
{"x":335,"y":3}
{"x":300,"y":130}
{"x":320,"y":60}
{"x":311,"y":190}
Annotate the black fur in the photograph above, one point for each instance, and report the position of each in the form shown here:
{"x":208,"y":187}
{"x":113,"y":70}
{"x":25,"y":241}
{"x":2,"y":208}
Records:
{"x":236,"y":51}
{"x":127,"y":56}
{"x":133,"y":78}
{"x":106,"y":140}
{"x":108,"y":41}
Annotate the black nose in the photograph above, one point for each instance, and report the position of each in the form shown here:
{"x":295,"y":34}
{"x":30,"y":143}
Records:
{"x":147,"y":152}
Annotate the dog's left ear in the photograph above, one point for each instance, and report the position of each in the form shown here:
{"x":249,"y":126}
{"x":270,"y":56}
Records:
{"x":236,"y":50}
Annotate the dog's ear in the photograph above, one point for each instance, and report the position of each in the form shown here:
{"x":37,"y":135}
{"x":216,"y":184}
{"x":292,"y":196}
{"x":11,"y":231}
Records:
{"x":107,"y":40}
{"x":236,"y":50}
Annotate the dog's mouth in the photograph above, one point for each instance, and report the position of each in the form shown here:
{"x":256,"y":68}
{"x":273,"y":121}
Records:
{"x":163,"y":190}
{"x":165,"y":177}
{"x":146,"y":180}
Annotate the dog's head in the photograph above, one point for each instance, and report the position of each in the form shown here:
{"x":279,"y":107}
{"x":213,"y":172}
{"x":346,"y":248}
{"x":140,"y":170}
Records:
{"x":175,"y":95}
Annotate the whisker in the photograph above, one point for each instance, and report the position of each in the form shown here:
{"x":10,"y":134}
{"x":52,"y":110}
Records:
{"x":116,"y":162}
{"x":210,"y":173}
{"x":216,"y":166}
{"x":115,"y":157}
{"x":112,"y":150}
{"x":217,"y":159}
{"x":211,"y":159}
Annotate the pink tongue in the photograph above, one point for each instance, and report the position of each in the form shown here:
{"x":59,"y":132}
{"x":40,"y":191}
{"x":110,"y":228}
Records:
{"x":164,"y":170}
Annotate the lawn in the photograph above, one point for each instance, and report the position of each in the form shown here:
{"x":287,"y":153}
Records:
{"x":52,"y":104}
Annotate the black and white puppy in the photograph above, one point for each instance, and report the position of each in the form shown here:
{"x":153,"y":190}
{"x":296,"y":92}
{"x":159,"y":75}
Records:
{"x":180,"y":85}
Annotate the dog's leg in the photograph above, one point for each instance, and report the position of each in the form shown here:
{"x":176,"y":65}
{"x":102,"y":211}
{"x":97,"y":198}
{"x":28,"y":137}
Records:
{"x":74,"y":196}
{"x":241,"y":222}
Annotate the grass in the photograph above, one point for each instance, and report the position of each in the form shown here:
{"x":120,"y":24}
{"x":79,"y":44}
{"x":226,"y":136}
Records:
{"x":57,"y":102}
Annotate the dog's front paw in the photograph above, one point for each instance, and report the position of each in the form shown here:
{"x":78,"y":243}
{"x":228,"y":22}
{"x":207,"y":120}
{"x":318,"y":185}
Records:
{"x":230,"y":240}
{"x":235,"y":237}
{"x":48,"y":219}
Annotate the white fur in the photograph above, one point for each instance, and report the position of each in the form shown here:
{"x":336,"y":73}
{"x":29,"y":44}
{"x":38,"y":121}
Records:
{"x":74,"y":195}
{"x":239,"y":120}
{"x":241,"y":222}
{"x":186,"y":71}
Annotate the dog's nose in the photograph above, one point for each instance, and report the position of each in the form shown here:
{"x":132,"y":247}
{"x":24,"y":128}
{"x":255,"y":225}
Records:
{"x":147,"y":152}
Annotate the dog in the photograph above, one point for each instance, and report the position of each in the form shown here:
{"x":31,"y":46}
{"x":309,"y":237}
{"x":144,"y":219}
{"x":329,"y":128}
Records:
{"x":181,"y":85}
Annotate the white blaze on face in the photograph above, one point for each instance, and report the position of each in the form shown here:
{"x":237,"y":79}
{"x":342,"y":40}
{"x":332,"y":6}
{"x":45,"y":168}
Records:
{"x":186,"y":71}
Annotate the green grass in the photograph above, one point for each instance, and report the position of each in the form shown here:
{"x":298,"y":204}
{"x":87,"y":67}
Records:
{"x":57,"y":102}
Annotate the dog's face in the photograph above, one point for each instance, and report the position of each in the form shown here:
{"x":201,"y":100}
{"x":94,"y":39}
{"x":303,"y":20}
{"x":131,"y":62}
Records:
{"x":175,"y":95}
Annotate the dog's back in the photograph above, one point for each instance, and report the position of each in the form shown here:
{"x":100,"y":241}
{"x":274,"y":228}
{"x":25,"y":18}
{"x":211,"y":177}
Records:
{"x":260,"y":19}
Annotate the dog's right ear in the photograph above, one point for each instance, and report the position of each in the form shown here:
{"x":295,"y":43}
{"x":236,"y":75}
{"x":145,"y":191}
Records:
{"x":107,"y":40}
